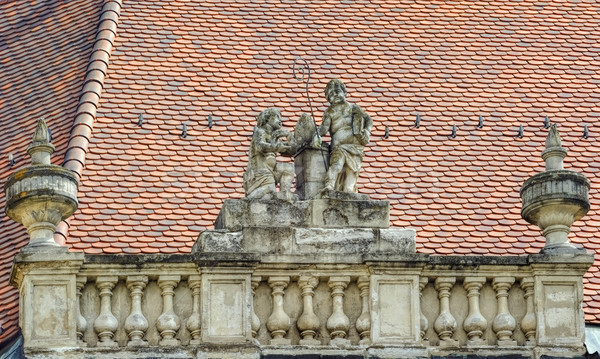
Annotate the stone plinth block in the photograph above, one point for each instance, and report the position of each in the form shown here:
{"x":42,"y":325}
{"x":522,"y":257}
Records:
{"x":276,"y":240}
{"x":335,"y":213}
{"x":48,"y":294}
{"x":352,"y":211}
{"x":239,"y":213}
{"x":310,"y":171}
{"x":218,"y":241}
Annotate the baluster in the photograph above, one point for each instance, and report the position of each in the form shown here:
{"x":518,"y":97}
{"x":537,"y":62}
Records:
{"x":81,"y":322}
{"x":168,"y":322}
{"x":363,"y":322}
{"x":279,"y":322}
{"x":474,"y":324}
{"x":136,"y":324}
{"x":504,"y":323}
{"x":308,"y":323}
{"x":338,"y":323}
{"x":194,"y":324}
{"x":529,"y":322}
{"x":445,"y":324}
{"x":255,"y":324}
{"x":106,"y":323}
{"x":424,"y":323}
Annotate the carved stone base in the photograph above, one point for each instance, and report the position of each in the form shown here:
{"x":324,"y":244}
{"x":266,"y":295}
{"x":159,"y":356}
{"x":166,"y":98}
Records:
{"x":476,"y":343}
{"x":170,"y":342}
{"x":347,"y":223}
{"x":280,"y":341}
{"x":310,"y":342}
{"x":449,"y":343}
{"x":340,"y":342}
{"x":137,"y":343}
{"x":275,"y":240}
{"x":507,"y":343}
{"x":352,"y":211}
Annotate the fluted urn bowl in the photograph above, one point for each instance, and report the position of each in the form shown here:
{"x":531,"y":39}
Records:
{"x":39,"y":197}
{"x":553,"y":200}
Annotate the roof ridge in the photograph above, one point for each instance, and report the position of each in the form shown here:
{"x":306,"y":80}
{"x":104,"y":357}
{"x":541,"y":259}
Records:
{"x":85,"y":114}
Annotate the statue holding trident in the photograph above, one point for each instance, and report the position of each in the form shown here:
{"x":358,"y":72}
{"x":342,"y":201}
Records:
{"x":350,"y":128}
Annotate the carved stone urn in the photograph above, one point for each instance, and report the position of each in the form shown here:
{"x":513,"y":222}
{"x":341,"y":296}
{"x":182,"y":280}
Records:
{"x":41,"y":195}
{"x":556,"y":198}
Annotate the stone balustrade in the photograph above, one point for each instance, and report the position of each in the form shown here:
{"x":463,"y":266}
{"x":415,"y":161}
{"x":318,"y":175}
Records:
{"x":419,"y":306}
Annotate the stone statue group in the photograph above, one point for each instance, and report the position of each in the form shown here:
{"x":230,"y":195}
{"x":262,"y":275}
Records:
{"x":349,"y":127}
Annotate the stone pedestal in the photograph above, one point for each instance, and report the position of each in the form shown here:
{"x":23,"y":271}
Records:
{"x":310,"y":171}
{"x":48,"y":291}
{"x":558,"y":292}
{"x":347,"y":224}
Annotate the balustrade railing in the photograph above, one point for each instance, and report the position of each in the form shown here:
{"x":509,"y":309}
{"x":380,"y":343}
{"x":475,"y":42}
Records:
{"x":482,"y":308}
{"x":426,"y":304}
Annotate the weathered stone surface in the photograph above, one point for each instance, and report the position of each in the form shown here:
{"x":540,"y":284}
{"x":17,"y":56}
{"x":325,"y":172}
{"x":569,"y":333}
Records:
{"x":218,"y":241}
{"x":349,"y":212}
{"x":310,"y":171}
{"x":238,"y":213}
{"x":334,"y":213}
{"x":397,"y":240}
{"x":340,"y":240}
{"x":226,"y":306}
{"x":276,"y":240}
{"x":47,"y":286}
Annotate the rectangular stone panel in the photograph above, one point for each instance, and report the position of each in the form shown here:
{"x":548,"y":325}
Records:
{"x":226,"y":304}
{"x":48,"y":312}
{"x":561,"y":319}
{"x":395,"y":309}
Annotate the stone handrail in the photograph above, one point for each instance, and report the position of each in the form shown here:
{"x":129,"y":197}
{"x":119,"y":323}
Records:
{"x":415,"y":306}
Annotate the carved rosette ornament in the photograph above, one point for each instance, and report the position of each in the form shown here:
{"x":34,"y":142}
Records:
{"x":556,"y":198}
{"x":279,"y":322}
{"x":193,"y":323}
{"x":308,"y":322}
{"x":41,"y":195}
{"x":338,"y":323}
{"x":445,"y":324}
{"x":136,"y":324}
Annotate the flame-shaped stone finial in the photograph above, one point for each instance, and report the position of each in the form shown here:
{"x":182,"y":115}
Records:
{"x":556,"y":198}
{"x":41,"y":195}
{"x":40,"y":148}
{"x":554,"y":153}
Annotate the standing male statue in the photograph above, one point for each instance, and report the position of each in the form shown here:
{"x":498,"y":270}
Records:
{"x":263,"y":171}
{"x":350,"y":128}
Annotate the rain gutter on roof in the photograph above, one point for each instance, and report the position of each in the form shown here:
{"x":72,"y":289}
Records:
{"x":85,"y":115}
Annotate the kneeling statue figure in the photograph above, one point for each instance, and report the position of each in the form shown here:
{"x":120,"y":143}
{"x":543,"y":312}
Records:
{"x":264,"y":171}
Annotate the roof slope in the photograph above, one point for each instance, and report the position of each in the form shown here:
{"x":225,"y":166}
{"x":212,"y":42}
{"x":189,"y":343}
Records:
{"x":148,"y":190}
{"x":44,"y":47}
